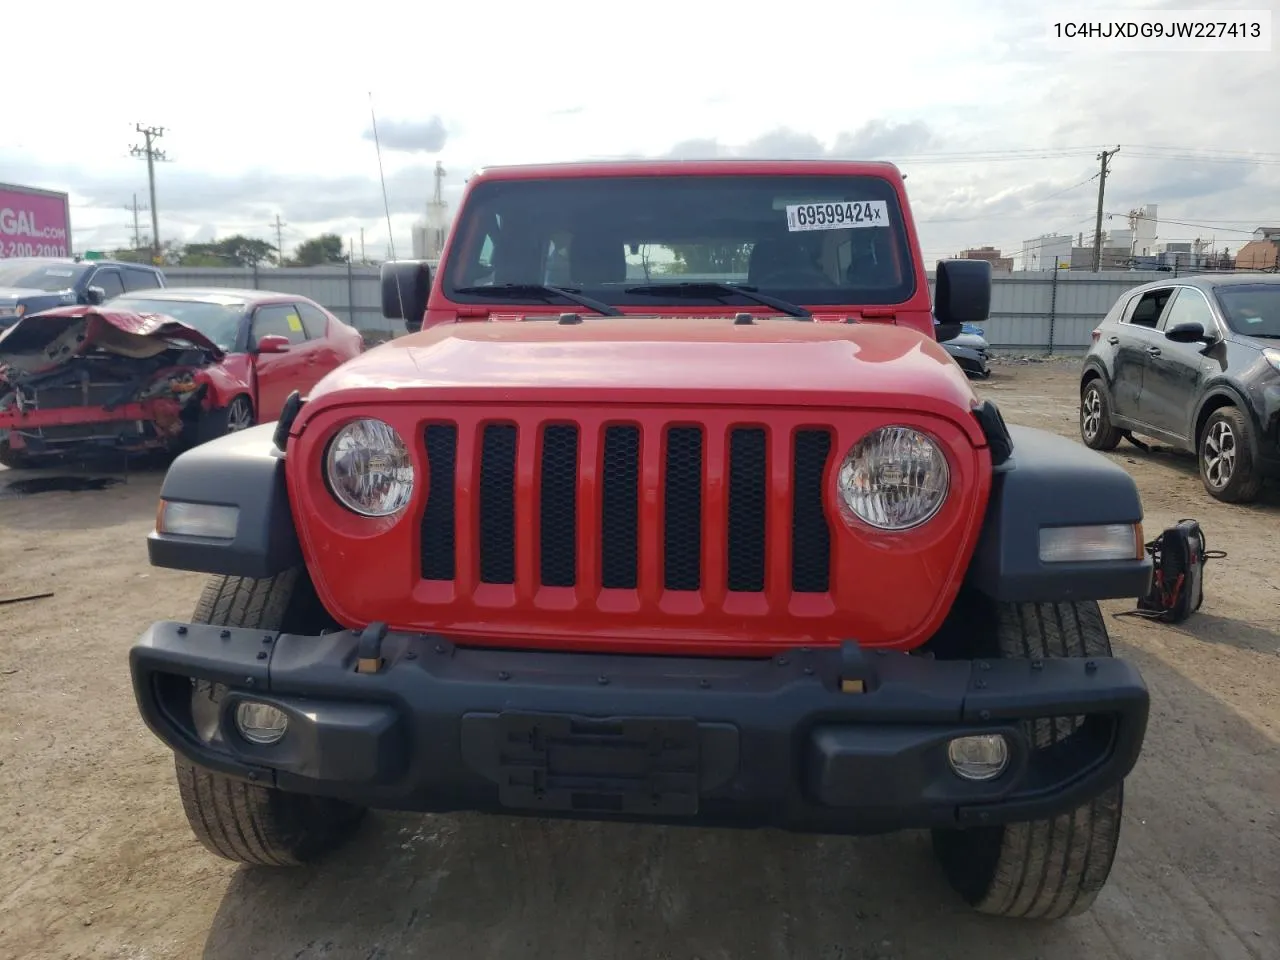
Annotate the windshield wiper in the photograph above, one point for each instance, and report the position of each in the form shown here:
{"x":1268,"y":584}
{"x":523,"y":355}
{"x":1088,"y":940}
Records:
{"x":705,"y":288}
{"x":541,"y":290}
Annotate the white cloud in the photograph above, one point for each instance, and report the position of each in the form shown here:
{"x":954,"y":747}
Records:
{"x":270,"y":112}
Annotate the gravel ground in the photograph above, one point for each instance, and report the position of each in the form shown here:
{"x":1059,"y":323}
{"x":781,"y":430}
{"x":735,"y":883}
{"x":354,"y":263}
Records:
{"x":97,"y":860}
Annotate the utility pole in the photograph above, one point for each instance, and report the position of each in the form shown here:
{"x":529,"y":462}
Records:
{"x":149,"y":151}
{"x":362,"y":256}
{"x":137,"y":230}
{"x":280,"y":240}
{"x":1105,"y":156}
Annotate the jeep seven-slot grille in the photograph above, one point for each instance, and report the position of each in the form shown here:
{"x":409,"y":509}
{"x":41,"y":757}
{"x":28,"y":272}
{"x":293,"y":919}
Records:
{"x":617,"y":492}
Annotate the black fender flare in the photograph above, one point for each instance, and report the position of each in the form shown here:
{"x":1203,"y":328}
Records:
{"x":244,"y":470}
{"x":1051,"y":481}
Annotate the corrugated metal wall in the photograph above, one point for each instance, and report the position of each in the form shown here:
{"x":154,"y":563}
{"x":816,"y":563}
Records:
{"x":1033,"y":312}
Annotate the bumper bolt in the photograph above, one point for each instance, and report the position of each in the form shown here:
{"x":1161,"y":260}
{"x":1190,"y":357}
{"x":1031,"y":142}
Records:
{"x":704,"y":684}
{"x":1090,"y":666}
{"x":225,"y":634}
{"x":253,"y":774}
{"x":262,"y":654}
{"x":1037,"y":664}
{"x":411,"y":655}
{"x":980,"y":684}
{"x":983,"y":665}
{"x":439,"y":648}
{"x":266,"y":639}
{"x":984,"y":714}
{"x":783,"y":661}
{"x":182,"y":631}
{"x":808,"y":671}
{"x":603,"y":681}
{"x":248,"y":681}
{"x":503,"y":675}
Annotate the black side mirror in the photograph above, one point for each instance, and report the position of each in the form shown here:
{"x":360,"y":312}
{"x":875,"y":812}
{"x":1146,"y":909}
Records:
{"x":962,"y":294}
{"x":1189,"y":332}
{"x":95,"y":295}
{"x":406,"y":285}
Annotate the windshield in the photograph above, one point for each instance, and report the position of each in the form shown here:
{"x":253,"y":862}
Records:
{"x":50,"y":277}
{"x":808,"y":240}
{"x":1252,"y":309}
{"x":220,"y":322}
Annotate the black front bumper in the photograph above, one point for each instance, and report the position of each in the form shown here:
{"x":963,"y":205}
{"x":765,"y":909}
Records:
{"x":674,"y":739}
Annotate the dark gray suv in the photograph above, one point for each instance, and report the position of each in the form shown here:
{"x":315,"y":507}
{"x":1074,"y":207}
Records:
{"x":1193,"y":362}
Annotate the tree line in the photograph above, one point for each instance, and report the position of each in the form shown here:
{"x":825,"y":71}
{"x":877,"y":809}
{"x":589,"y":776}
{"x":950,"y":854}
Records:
{"x":240,"y":251}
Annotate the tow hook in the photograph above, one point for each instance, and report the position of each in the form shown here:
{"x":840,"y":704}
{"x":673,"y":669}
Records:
{"x":369,"y":649}
{"x":857,"y":675}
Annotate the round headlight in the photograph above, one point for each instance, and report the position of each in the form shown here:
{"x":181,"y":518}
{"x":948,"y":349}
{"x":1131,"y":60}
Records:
{"x":369,"y":469}
{"x":894,"y":478}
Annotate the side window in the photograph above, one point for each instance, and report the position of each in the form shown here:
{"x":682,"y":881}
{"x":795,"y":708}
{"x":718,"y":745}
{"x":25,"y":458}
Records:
{"x":313,"y":321}
{"x":108,"y":278}
{"x":1150,"y":306}
{"x":484,"y":262}
{"x":135,"y":279}
{"x":281,"y":320}
{"x":1189,"y":306}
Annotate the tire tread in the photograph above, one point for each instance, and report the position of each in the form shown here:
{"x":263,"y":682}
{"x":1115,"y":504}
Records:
{"x":242,"y":821}
{"x":1052,"y":868}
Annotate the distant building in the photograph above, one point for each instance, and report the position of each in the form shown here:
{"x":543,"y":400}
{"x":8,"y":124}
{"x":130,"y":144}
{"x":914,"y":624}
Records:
{"x":1142,"y":231}
{"x":991,"y":255}
{"x":1262,"y":252}
{"x":1113,"y":258}
{"x":1043,"y":252}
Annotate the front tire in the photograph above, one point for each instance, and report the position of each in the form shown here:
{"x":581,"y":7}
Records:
{"x":1042,"y":869}
{"x":1096,"y":429}
{"x":235,"y":416}
{"x":240,"y":821}
{"x":1225,"y":457}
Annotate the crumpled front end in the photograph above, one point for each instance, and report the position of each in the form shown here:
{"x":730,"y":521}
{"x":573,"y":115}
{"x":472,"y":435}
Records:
{"x":83,"y":378}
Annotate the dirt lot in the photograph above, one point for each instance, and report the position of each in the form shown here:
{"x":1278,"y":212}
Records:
{"x":96,"y":859}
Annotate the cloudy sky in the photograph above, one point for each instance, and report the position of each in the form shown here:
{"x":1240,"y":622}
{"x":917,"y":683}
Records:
{"x":266,"y":109}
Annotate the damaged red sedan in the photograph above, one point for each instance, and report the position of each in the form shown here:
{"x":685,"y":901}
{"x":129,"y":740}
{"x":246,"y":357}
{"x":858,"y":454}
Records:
{"x":160,"y":372}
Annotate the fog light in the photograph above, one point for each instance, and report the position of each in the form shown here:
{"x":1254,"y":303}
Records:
{"x":260,"y":722}
{"x":983,"y":757}
{"x":212,"y":521}
{"x":1110,"y":541}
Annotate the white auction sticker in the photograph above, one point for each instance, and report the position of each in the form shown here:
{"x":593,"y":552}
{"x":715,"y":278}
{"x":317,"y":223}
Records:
{"x":837,"y":216}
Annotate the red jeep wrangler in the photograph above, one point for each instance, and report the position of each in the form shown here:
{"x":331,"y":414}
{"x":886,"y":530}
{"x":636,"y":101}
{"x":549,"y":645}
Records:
{"x":671,"y":508}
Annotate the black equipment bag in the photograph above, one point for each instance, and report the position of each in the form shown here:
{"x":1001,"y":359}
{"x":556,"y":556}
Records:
{"x":1177,"y":582}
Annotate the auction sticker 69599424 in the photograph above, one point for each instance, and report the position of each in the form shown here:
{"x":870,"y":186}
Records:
{"x":837,"y":216}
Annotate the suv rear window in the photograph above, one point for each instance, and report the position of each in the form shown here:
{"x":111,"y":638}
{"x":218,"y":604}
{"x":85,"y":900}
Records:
{"x":807,"y":239}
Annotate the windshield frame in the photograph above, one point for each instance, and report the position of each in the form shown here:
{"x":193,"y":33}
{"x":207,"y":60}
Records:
{"x":37,"y":268}
{"x":162,"y":306}
{"x":475,"y":216}
{"x":1224,"y":310}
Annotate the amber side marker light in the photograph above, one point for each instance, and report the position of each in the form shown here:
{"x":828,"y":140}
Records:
{"x":1108,"y":541}
{"x":208,"y":521}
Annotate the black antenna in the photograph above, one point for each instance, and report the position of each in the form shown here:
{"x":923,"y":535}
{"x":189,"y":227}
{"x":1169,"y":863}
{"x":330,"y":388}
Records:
{"x":386,"y":204}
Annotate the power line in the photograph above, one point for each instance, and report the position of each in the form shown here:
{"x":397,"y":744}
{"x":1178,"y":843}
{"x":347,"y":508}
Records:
{"x":152,"y":154}
{"x":1008,"y":216}
{"x":1185,"y":223}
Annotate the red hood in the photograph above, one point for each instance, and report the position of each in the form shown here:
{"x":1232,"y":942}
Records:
{"x":657,"y":360}
{"x":46,"y":339}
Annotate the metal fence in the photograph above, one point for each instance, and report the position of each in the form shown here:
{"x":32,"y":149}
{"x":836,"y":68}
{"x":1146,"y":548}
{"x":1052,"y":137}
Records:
{"x":1036,"y":312}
